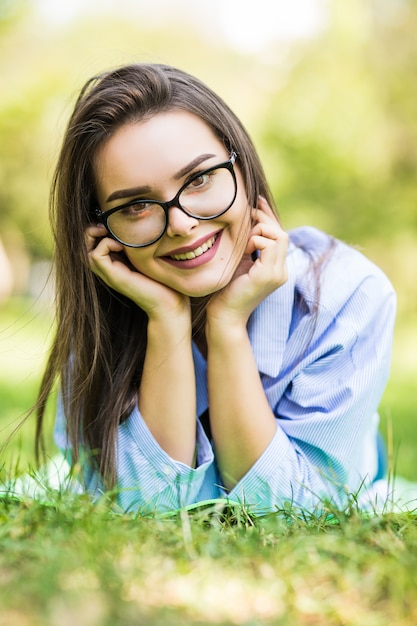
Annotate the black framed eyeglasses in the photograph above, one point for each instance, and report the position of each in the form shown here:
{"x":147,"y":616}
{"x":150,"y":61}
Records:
{"x":204,"y":196}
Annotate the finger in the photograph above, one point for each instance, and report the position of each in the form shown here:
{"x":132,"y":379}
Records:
{"x":272,"y":256}
{"x":92,"y":233}
{"x":268,"y":230}
{"x":262,"y":217}
{"x":265,"y":237}
{"x":102,"y":259}
{"x":274,"y":247}
{"x":96,"y":229}
{"x":263,"y":208}
{"x":107,"y":263}
{"x":104,"y":248}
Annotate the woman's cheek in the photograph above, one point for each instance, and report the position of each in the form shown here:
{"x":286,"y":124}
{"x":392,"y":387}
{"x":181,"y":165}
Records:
{"x":136,"y":259}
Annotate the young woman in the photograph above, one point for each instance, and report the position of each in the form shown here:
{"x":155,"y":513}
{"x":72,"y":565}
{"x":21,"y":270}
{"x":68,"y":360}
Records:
{"x":201,"y":351}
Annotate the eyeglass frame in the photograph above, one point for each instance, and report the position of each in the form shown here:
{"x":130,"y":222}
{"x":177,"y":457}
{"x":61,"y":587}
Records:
{"x":103,"y":216}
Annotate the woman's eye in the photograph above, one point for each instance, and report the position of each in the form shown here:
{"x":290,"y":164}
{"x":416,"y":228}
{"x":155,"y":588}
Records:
{"x":199,"y":181}
{"x":137,"y":210}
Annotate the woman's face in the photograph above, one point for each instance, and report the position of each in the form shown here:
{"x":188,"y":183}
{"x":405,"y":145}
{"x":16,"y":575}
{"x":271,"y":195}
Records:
{"x":153,"y":159}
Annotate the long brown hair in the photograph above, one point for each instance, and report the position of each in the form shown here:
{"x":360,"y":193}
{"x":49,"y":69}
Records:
{"x":98,"y":352}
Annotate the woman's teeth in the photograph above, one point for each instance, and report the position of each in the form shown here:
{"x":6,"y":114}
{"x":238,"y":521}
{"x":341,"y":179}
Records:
{"x":197,"y":252}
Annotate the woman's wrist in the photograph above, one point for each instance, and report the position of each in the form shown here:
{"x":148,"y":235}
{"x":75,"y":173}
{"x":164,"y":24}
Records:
{"x":225,"y":330}
{"x":171,"y":316}
{"x":164,"y":327}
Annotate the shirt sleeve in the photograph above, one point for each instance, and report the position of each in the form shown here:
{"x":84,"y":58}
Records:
{"x":324,"y":448}
{"x":149,"y":480}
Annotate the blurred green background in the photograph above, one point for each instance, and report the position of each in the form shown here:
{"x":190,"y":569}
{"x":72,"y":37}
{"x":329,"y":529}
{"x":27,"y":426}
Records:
{"x":327,"y":90}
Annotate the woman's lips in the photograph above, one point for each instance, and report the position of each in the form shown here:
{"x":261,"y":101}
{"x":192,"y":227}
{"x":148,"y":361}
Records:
{"x":186,"y":256}
{"x":198,"y":254}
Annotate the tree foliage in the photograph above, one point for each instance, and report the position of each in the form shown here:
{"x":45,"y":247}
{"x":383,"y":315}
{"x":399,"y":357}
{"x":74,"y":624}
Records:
{"x":340,"y":137}
{"x":337,"y":129}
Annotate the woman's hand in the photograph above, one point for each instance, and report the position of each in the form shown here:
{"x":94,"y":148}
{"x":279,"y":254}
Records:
{"x":108,"y":261}
{"x":254,"y":280}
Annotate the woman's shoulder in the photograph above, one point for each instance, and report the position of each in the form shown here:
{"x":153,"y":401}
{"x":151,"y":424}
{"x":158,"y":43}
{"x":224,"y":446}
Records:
{"x":310,"y":239}
{"x":340,"y":269}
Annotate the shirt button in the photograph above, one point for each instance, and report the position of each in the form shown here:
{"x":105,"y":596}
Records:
{"x":167,"y":470}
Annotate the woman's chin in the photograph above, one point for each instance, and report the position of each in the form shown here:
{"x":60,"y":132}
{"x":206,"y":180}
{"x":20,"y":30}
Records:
{"x":202,"y":293}
{"x":208,"y":288}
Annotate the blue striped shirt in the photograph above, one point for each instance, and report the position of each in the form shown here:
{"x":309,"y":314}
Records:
{"x":323,"y":372}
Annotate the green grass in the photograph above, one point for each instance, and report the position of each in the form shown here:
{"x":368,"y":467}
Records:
{"x":73,"y":562}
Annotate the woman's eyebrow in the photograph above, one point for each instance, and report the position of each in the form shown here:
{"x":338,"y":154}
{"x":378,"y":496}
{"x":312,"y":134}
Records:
{"x":194,"y":163}
{"x":141,"y":191}
{"x":128,"y":193}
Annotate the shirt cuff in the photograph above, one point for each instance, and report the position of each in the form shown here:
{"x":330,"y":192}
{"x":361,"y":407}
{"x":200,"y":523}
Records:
{"x":146,"y":442}
{"x":282,"y":476}
{"x":267,"y":485}
{"x":151,"y":478}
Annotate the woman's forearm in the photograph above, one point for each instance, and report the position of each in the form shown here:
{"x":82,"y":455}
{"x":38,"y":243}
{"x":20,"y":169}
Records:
{"x":167,"y":396}
{"x":241,"y":419}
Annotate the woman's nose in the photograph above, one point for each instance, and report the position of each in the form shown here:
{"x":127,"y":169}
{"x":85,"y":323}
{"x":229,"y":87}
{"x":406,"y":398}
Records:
{"x":179,"y":223}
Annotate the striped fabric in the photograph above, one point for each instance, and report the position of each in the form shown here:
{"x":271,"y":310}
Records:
{"x":323,"y":374}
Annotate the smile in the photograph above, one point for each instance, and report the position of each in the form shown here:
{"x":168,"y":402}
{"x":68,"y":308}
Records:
{"x":192,"y":254}
{"x":188,"y":258}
